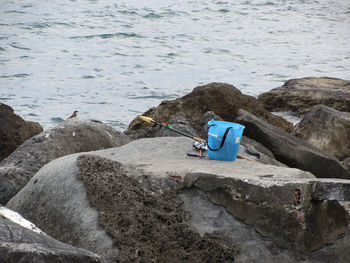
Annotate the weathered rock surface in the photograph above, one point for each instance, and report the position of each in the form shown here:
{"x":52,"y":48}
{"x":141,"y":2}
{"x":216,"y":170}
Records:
{"x":290,"y":150}
{"x":14,"y":130}
{"x":299,"y":95}
{"x":71,"y":136}
{"x":346,"y":163}
{"x":223,"y":99}
{"x":198,"y":128}
{"x":132,"y":190}
{"x":19,"y":244}
{"x":327,"y":129}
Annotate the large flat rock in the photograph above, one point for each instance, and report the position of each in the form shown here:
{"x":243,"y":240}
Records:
{"x":286,"y":205}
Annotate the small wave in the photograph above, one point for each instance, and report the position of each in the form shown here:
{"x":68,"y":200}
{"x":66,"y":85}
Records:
{"x":87,"y":77}
{"x":2,"y":49}
{"x":64,"y":24}
{"x":15,"y":76}
{"x":15,"y":12}
{"x":118,"y":124}
{"x":96,"y":103}
{"x":104,"y":36}
{"x":120,"y":54}
{"x":40,"y":25}
{"x":126,"y":12}
{"x":224,"y":10}
{"x":19,"y":47}
{"x":56,"y":120}
{"x":26,"y":57}
{"x":152,"y":16}
{"x":30,"y":106}
{"x":153,"y":96}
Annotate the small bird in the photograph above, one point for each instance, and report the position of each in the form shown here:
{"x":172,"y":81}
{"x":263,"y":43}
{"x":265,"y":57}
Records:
{"x":75,"y":114}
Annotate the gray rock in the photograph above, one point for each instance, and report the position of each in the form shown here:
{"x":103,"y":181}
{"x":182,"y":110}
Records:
{"x":207,"y":217}
{"x":72,"y":136}
{"x":346,"y":163}
{"x":299,"y":95}
{"x":14,"y":130}
{"x":198,"y":128}
{"x":276,"y":201}
{"x":256,"y":151}
{"x":59,"y":206}
{"x":223,"y":99}
{"x":19,"y":244}
{"x":290,"y":150}
{"x":327,"y":129}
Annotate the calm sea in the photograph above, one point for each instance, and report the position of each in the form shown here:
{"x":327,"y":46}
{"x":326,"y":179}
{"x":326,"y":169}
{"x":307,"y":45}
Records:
{"x":112,"y":60}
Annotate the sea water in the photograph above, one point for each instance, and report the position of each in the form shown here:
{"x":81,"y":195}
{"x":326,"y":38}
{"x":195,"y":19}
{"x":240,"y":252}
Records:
{"x":112,"y":60}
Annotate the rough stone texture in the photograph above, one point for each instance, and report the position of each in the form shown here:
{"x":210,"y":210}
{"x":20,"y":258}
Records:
{"x":14,"y":130}
{"x":223,"y":99}
{"x":19,"y":244}
{"x":330,"y":189}
{"x":146,"y":227}
{"x":290,"y":150}
{"x":346,"y":163}
{"x":327,"y":129}
{"x":207,"y":217}
{"x":276,"y":201}
{"x":56,"y":201}
{"x":339,"y":252}
{"x":71,"y":136}
{"x":299,"y":95}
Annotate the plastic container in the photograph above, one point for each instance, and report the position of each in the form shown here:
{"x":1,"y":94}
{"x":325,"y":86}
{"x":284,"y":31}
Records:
{"x":224,"y":139}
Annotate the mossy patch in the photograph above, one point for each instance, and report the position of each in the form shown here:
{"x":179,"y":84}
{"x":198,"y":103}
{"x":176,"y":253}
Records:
{"x":146,"y":227}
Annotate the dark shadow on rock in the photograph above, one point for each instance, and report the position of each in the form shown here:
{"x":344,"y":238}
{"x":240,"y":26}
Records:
{"x":14,"y":130}
{"x":290,"y":150}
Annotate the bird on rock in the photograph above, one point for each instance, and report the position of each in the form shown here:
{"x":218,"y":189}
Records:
{"x":75,"y":114}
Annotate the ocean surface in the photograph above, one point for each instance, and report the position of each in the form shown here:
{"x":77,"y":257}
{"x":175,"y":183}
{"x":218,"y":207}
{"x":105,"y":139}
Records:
{"x":113,"y":60}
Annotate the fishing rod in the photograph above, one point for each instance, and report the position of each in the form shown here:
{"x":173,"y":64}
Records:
{"x":169,"y":127}
{"x":162,"y":124}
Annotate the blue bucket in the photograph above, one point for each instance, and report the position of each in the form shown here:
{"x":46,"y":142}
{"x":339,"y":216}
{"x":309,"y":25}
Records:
{"x":224,"y":139}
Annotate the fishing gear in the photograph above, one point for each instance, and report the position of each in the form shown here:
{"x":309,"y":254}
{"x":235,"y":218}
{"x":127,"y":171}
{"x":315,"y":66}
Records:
{"x":162,"y":124}
{"x":202,"y":146}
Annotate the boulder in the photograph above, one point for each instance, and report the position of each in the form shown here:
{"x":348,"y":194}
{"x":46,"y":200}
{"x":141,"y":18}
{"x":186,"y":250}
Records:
{"x":223,"y":99}
{"x":71,"y":136}
{"x":299,"y":95}
{"x":291,"y":150}
{"x":327,"y":129}
{"x":346,"y":163}
{"x":97,"y":204}
{"x":198,"y":128}
{"x":20,"y":244}
{"x":14,"y":130}
{"x":177,"y":208}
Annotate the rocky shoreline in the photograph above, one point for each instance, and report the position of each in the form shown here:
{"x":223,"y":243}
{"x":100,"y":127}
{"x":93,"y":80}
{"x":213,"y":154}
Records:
{"x":107,"y":196}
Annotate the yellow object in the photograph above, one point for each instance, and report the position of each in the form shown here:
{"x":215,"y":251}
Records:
{"x":147,"y":119}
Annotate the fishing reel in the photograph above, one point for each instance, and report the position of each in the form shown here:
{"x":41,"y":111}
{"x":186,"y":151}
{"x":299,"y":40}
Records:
{"x":200,"y":146}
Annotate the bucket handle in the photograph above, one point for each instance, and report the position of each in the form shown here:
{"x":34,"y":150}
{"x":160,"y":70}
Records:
{"x":223,"y":138}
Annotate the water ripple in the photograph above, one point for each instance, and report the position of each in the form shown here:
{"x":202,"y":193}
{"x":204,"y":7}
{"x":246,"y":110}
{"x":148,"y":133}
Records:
{"x":105,"y":36}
